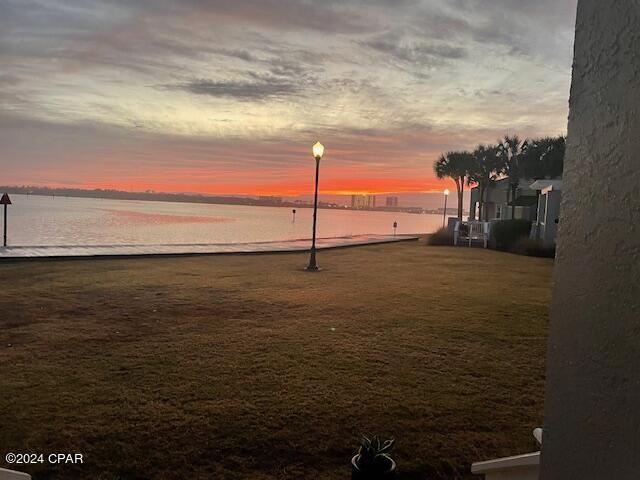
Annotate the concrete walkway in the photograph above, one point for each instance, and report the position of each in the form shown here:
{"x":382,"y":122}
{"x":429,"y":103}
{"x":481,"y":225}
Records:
{"x":72,"y":251}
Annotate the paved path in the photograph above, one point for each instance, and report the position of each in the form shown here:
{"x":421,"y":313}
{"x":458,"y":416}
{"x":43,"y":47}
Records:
{"x":190,"y":249}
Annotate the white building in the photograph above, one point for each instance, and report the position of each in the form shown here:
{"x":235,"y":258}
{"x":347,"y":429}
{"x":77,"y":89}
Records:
{"x":545,"y":227}
{"x":497,"y":205}
{"x":363,"y":201}
{"x":535,"y":200}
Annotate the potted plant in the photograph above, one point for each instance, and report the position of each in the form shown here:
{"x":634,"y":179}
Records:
{"x":372,"y":462}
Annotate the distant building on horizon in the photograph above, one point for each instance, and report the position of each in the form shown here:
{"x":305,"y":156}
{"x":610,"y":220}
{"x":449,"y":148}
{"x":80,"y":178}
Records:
{"x":328,"y":204}
{"x":392,"y":201}
{"x":362,"y":202}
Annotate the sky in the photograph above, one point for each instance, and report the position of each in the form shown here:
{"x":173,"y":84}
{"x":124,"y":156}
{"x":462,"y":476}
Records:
{"x":227,"y":97}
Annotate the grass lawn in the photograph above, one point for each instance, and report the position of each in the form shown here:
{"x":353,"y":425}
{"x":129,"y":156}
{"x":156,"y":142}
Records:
{"x":248,"y":367}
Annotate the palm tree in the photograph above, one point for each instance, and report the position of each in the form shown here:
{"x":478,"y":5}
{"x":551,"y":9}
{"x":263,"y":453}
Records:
{"x":454,"y":165}
{"x":510,"y":151}
{"x":486,"y":166}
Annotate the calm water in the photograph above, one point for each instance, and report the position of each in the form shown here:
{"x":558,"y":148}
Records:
{"x":38,"y":220}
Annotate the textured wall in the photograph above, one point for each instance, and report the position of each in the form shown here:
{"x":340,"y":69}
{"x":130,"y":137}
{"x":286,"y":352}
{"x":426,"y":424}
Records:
{"x":592,"y":407}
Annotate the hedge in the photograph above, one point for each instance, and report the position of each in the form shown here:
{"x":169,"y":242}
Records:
{"x":507,"y":232}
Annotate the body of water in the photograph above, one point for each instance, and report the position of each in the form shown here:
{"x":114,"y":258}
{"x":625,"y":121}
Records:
{"x":40,"y":220}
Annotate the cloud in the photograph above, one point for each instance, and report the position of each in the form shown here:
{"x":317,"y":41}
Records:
{"x":540,"y":27}
{"x":237,"y":53}
{"x":9,"y":80}
{"x":258,"y":89}
{"x":226,"y":87}
{"x":326,"y":16}
{"x":280,"y":78}
{"x":414,"y":51}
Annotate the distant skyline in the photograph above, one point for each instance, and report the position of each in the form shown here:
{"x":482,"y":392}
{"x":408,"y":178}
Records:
{"x":429,"y":200}
{"x":227,"y":97}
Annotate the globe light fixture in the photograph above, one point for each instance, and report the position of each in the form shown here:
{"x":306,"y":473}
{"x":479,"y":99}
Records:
{"x":318,"y":150}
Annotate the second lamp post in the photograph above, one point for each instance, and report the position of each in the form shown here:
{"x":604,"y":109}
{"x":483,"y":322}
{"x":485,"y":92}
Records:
{"x":318,"y":150}
{"x":444,"y":215}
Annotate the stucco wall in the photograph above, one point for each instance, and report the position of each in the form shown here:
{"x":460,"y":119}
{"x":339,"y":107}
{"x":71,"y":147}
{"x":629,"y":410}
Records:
{"x":592,"y":407}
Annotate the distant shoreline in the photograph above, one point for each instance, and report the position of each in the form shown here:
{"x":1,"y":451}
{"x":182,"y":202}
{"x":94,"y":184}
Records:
{"x":147,"y":196}
{"x":199,"y":199}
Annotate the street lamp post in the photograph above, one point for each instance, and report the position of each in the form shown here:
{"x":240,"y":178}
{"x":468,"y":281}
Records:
{"x":318,"y":151}
{"x":444,"y":215}
{"x":5,"y":200}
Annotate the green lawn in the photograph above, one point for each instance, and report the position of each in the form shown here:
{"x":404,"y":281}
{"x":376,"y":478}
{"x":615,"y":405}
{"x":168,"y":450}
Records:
{"x":248,"y":367}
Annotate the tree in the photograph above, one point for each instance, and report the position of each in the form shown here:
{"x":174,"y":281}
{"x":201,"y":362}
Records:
{"x":533,"y":159}
{"x":486,"y":167}
{"x":510,"y":151}
{"x":454,"y":165}
{"x":552,"y":158}
{"x":543,"y":158}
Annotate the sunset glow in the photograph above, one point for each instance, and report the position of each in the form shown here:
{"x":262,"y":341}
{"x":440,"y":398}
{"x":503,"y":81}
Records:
{"x":228,"y":97}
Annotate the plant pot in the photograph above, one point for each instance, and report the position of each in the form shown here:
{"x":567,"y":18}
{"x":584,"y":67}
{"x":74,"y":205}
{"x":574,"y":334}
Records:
{"x":357,"y":474}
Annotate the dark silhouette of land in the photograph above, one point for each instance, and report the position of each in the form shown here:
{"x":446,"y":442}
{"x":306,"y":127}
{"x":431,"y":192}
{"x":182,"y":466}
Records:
{"x":148,"y":196}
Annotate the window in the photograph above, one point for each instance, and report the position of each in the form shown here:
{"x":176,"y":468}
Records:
{"x":498,"y":212}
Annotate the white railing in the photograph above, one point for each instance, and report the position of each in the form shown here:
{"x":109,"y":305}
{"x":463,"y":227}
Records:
{"x":471,"y":231}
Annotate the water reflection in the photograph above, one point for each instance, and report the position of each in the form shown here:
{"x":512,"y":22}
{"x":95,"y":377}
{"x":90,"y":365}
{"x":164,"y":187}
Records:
{"x":37,"y":220}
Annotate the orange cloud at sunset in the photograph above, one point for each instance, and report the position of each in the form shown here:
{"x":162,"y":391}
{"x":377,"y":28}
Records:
{"x":88,"y":156}
{"x":336,"y":187}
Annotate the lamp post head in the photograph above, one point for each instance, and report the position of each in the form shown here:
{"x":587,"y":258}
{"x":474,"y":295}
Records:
{"x":318,"y":150}
{"x":446,"y":192}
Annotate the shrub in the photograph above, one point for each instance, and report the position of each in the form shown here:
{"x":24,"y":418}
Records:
{"x":533,"y":248}
{"x":441,"y":237}
{"x":507,"y":232}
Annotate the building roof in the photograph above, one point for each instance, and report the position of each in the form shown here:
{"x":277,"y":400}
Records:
{"x":543,"y":184}
{"x":504,"y":184}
